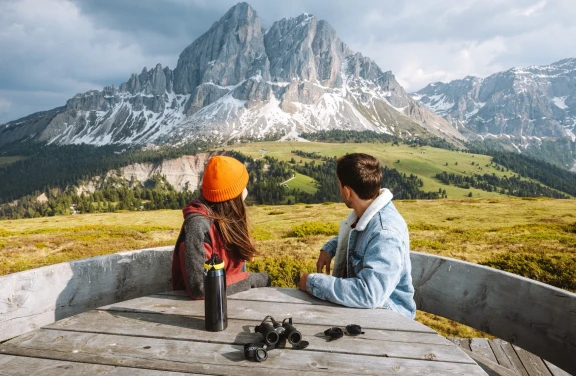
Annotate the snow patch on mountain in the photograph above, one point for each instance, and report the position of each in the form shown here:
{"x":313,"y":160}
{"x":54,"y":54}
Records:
{"x":560,"y":102}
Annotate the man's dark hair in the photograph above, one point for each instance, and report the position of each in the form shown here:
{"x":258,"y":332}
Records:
{"x":361,"y":172}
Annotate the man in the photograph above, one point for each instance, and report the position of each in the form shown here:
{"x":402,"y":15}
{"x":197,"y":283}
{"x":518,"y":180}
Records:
{"x":372,"y":250}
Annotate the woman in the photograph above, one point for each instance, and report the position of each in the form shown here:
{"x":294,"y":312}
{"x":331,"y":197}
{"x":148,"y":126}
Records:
{"x":216,"y":223}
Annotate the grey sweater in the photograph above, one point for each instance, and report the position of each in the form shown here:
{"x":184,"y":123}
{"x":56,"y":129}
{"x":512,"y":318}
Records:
{"x":197,"y":232}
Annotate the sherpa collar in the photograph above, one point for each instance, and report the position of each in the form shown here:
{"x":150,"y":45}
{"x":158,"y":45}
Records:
{"x":381,"y":201}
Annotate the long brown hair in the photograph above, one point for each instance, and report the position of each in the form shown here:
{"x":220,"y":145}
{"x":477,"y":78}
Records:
{"x":230,"y":218}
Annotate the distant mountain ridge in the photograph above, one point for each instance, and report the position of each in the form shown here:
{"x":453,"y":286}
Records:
{"x":240,"y":80}
{"x":530,"y":103}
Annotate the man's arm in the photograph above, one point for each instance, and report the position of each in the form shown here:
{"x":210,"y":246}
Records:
{"x":330,"y":246}
{"x":326,"y":254}
{"x":382,"y":268}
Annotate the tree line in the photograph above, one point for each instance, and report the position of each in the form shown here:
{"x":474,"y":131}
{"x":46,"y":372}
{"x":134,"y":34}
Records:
{"x":512,"y":186}
{"x":346,"y":136}
{"x":117,"y":195}
{"x":49,"y":167}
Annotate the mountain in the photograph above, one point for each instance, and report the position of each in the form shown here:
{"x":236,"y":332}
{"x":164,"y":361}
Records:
{"x":240,"y":80}
{"x":528,"y":103}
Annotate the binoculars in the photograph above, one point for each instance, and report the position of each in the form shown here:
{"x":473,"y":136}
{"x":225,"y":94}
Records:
{"x":276,"y":334}
{"x":256,"y":351}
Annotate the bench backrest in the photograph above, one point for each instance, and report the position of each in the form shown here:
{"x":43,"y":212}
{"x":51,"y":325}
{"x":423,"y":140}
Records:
{"x":532,"y":315}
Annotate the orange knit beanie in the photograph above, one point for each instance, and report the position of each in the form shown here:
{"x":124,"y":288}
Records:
{"x":224,"y":178}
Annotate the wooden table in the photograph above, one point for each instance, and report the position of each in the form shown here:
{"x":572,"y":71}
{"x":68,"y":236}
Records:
{"x":164,"y":335}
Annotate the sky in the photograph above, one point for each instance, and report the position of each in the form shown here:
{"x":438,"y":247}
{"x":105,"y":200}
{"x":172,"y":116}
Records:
{"x":51,"y":50}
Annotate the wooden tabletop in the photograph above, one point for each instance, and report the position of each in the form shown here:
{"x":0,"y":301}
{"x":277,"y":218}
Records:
{"x":164,"y":335}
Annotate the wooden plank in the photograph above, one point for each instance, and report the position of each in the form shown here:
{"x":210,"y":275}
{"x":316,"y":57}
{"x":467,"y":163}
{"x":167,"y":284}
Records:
{"x":555,"y":370}
{"x":306,"y":314}
{"x":533,"y":364}
{"x":513,"y":357}
{"x":5,"y":359}
{"x":535,"y":316}
{"x":463,"y":343}
{"x":482,"y":347}
{"x":282,"y":295}
{"x":500,"y":355}
{"x":37,"y":297}
{"x":391,"y":344}
{"x":175,"y":293}
{"x":24,"y":366}
{"x":216,"y":359}
{"x":270,"y":294}
{"x":490,"y":367}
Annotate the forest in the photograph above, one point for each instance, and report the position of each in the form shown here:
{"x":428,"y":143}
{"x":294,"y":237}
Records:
{"x":58,"y":171}
{"x":266,"y":176}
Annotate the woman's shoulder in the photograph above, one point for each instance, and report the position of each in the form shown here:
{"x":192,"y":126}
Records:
{"x":196,"y":208}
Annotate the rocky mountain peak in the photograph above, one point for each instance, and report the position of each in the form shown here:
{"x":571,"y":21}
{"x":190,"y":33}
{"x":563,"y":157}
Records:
{"x":304,"y":48}
{"x":530,"y":103}
{"x":239,"y":80}
{"x":224,"y":54}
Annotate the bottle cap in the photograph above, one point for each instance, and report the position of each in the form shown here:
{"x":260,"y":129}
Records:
{"x":214,"y":263}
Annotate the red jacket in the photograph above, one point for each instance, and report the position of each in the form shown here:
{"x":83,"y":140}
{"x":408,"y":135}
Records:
{"x":188,"y":260}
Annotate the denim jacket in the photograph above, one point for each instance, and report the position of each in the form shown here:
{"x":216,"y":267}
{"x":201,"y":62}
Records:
{"x":372,"y":261}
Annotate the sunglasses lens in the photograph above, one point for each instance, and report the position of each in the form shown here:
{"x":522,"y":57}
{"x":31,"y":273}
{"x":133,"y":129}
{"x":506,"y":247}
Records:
{"x":354,"y":330}
{"x":334,"y":333}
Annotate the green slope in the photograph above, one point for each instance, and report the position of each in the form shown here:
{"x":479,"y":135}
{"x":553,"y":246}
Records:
{"x":425,"y":161}
{"x":303,"y":183}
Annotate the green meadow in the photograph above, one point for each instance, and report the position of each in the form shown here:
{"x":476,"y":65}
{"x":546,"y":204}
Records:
{"x":424,"y":161}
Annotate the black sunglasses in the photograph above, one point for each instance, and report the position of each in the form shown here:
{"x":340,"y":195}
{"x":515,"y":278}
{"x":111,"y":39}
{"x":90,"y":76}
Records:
{"x":336,"y":332}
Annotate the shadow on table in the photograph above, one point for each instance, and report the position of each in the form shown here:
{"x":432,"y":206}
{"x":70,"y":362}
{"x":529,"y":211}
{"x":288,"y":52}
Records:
{"x":188,"y":322}
{"x":247,"y":335}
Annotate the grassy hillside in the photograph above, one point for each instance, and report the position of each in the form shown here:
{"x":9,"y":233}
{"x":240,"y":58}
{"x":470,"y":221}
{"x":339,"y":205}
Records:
{"x":537,"y":234}
{"x":425,"y":162}
{"x":303,"y":183}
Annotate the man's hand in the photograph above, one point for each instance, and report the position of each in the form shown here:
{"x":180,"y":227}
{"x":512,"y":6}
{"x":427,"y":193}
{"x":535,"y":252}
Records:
{"x":323,"y":261}
{"x":303,"y":279}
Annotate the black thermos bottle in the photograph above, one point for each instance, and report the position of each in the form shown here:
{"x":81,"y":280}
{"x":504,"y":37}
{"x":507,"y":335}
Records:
{"x":215,"y":307}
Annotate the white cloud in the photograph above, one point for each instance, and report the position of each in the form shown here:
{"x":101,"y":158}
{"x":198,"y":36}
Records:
{"x":54,"y":47}
{"x":5,"y":105}
{"x":417,"y":64}
{"x":534,"y":9}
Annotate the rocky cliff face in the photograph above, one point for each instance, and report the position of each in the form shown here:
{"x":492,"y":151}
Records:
{"x":531,"y":102}
{"x":238,"y":80}
{"x":181,"y":172}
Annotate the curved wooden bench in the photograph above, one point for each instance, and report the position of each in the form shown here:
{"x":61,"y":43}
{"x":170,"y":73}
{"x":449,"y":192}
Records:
{"x":532,"y":315}
{"x":38,"y":297}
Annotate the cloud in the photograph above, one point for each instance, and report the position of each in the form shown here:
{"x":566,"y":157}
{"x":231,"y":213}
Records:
{"x":418,"y":64}
{"x":53,"y":49}
{"x":534,"y":9}
{"x":5,"y":105}
{"x":50,"y":47}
